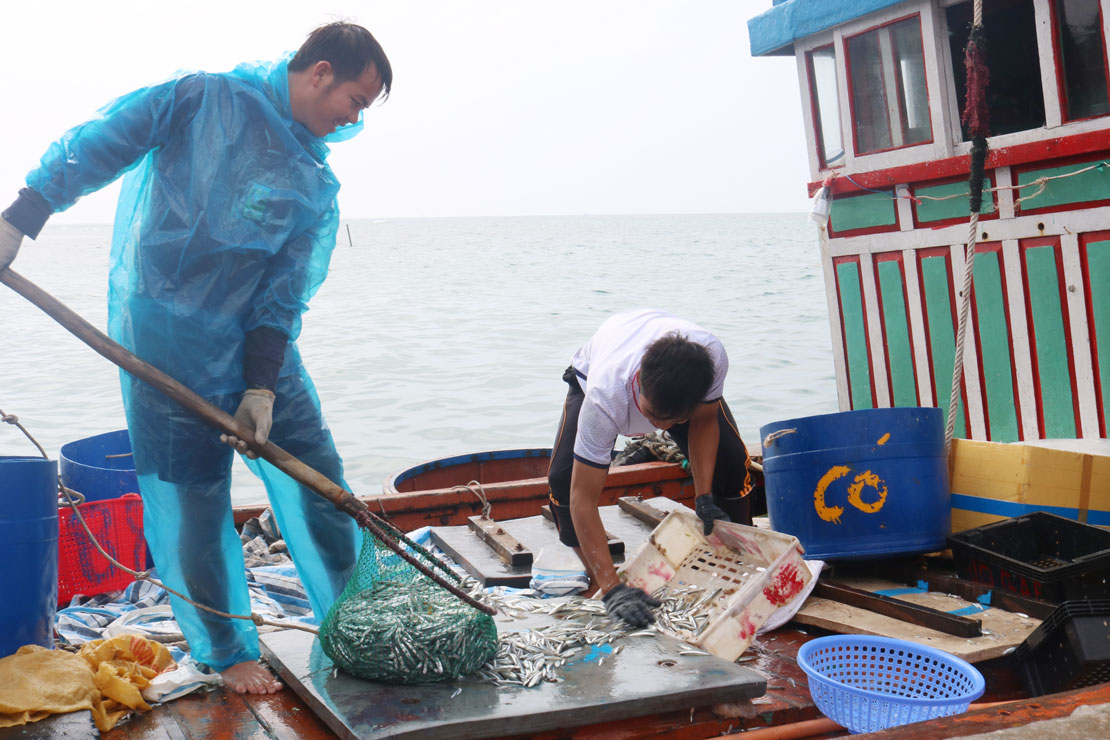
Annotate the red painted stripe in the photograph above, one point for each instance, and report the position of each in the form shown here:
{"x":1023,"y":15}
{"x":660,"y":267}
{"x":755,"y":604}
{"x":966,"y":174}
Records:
{"x":996,"y":249}
{"x":1062,"y":289}
{"x":833,"y":234}
{"x":958,"y":219}
{"x":954,"y":311}
{"x":854,"y":259}
{"x":952,"y":167}
{"x":946,"y":254}
{"x":897,"y":258}
{"x":1024,"y":245}
{"x":1079,"y":159}
{"x":1084,"y":244}
{"x":973,"y":318}
{"x":1010,"y":333}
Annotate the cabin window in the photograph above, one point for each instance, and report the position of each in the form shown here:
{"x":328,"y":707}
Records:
{"x":826,"y":106}
{"x":890,"y":104}
{"x":1081,"y":59}
{"x":1015,"y":97}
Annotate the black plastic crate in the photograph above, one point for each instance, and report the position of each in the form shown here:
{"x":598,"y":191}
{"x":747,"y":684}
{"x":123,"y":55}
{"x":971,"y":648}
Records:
{"x":1069,"y":650}
{"x":1039,"y":555}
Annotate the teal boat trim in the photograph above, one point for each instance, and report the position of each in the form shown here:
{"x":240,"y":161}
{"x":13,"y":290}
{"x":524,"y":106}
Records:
{"x":774,"y":32}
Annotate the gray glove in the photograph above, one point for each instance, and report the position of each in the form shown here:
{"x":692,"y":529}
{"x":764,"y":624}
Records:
{"x":10,"y":239}
{"x":256,"y":410}
{"x":631,"y":605}
{"x":708,"y":511}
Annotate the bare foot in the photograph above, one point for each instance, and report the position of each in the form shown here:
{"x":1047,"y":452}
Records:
{"x":249,"y":677}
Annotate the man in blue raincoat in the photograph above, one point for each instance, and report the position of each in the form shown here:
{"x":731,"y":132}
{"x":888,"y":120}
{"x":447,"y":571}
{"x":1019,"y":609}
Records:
{"x":226,"y":222}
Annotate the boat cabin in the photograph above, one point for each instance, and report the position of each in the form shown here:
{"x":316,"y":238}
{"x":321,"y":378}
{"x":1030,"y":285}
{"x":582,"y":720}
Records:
{"x":883,"y":85}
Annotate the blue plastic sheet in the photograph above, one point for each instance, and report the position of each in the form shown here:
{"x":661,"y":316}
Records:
{"x":226,"y":223}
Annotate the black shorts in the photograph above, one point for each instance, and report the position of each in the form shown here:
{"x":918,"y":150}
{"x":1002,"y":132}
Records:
{"x":731,"y":477}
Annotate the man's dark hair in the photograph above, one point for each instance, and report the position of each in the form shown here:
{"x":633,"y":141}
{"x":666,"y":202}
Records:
{"x":349,"y":48}
{"x":675,"y":375}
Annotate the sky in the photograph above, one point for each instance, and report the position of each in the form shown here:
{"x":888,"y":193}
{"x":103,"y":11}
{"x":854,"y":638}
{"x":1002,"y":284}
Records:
{"x":499,"y":107}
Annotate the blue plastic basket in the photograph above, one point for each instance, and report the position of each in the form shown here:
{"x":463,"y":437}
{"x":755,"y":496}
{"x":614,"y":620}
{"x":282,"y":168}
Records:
{"x":871,"y":683}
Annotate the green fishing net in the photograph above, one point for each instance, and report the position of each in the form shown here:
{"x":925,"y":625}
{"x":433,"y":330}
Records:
{"x":394,"y":624}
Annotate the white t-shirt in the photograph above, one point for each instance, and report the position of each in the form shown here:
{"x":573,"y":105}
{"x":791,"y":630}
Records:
{"x":606,"y":367}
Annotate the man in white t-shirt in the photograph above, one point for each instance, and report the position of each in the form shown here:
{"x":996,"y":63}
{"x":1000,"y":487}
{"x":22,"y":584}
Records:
{"x":643,"y":370}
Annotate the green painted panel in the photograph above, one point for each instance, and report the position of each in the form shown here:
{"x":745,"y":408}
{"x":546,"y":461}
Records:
{"x":1050,"y":335}
{"x":899,"y":355}
{"x":1098,"y":264}
{"x":942,"y":335}
{"x":935,"y":210}
{"x":994,"y":345}
{"x":855,"y":334}
{"x":1091,"y":185}
{"x":862,"y":212}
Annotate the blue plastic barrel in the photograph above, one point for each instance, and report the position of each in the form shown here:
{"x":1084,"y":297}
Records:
{"x":859,"y":484}
{"x":28,"y":551}
{"x":99,"y":467}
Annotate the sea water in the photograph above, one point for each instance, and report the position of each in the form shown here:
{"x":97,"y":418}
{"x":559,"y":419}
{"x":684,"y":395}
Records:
{"x":435,"y":337}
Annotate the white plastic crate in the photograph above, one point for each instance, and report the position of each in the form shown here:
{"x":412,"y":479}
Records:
{"x":757,"y":570}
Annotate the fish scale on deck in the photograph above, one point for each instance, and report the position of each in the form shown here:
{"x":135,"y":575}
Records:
{"x":525,"y":658}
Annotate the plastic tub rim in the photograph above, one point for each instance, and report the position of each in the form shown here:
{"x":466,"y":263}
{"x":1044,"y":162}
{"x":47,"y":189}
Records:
{"x":90,"y":466}
{"x":899,"y":411}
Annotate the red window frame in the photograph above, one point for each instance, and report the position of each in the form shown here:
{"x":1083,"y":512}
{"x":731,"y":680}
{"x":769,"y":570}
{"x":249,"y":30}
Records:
{"x":851,"y":96}
{"x":815,"y":110}
{"x":1058,"y":63}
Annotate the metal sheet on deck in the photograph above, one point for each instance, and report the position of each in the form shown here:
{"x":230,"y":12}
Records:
{"x":648,"y":676}
{"x":535,"y":533}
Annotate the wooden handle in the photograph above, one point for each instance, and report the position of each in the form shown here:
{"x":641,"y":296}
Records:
{"x":309,"y":477}
{"x":219,"y":419}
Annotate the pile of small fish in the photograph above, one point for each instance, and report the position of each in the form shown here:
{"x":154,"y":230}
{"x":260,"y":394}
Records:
{"x":527,"y":657}
{"x":407,"y":632}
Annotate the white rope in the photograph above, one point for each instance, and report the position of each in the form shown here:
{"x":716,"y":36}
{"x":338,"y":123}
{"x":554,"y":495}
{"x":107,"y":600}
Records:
{"x":476,"y":488}
{"x":961,"y":329}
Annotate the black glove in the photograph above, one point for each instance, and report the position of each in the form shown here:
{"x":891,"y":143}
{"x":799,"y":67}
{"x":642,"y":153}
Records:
{"x":631,"y":605}
{"x":708,"y":511}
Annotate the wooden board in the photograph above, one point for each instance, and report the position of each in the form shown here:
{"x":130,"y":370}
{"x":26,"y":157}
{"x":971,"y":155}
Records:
{"x":648,"y":676}
{"x":1002,"y":630}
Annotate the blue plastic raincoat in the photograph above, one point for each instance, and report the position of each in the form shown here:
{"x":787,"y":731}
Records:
{"x":226,"y":222}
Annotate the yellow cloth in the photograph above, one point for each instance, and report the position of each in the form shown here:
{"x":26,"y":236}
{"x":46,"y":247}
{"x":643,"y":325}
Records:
{"x":105,"y":677}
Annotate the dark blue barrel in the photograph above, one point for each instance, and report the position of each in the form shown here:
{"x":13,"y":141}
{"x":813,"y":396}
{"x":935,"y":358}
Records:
{"x":28,"y":551}
{"x":859,"y":484}
{"x":99,"y":467}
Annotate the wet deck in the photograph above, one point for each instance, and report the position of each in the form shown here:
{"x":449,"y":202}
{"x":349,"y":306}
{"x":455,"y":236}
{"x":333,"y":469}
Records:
{"x":284,"y":716}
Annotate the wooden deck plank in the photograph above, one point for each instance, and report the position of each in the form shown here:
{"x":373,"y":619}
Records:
{"x":284,"y":716}
{"x":1002,"y":630}
{"x":286,"y":722}
{"x":999,"y":717}
{"x":223,"y":714}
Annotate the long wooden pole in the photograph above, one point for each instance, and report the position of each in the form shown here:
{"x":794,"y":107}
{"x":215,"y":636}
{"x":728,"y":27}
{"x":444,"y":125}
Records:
{"x":309,"y":477}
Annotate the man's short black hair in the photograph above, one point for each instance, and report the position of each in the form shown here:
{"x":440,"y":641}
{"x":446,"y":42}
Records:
{"x":675,"y":375}
{"x":349,"y":48}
